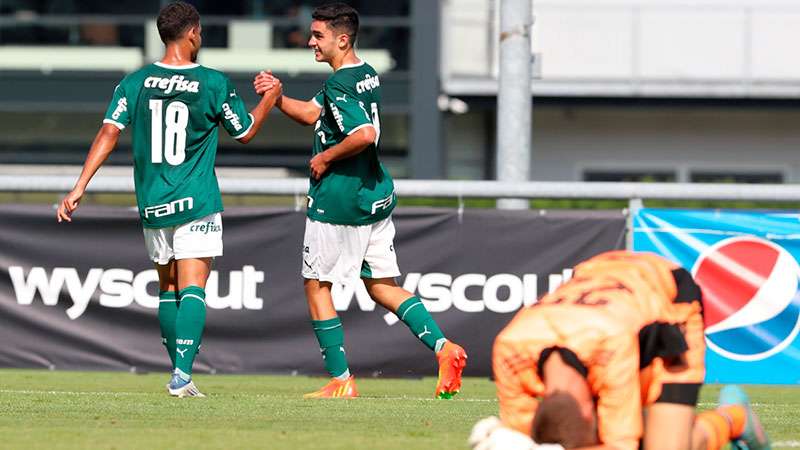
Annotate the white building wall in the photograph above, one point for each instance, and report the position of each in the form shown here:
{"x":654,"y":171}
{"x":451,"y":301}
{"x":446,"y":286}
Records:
{"x":567,"y":140}
{"x":731,"y":48}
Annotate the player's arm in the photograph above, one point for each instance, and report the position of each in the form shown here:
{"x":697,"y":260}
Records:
{"x":233,"y":115}
{"x":619,"y":406}
{"x":354,"y":122}
{"x":302,"y":112}
{"x":262,"y":109}
{"x":104,"y":143}
{"x":352,"y":145}
{"x":116,"y":119}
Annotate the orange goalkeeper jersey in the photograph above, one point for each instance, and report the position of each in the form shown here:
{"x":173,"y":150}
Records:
{"x":597,"y":315}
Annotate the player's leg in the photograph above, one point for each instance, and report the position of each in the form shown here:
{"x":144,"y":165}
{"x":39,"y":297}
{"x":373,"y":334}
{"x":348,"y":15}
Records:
{"x":668,"y":426}
{"x":325,"y":250}
{"x":192,"y":276}
{"x":168,"y":306}
{"x":733,"y":421}
{"x":378,"y":271}
{"x":158,"y":242}
{"x":327,"y":328}
{"x":196,"y":244}
{"x":408,"y":307}
{"x":189,"y":323}
{"x":672,"y":385}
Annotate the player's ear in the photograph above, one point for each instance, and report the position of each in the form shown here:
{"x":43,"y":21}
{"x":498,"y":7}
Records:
{"x":343,"y":41}
{"x":193,"y":33}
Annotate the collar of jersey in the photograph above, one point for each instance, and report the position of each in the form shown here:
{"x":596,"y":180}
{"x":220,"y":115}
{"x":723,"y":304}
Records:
{"x":167,"y":66}
{"x":348,"y":66}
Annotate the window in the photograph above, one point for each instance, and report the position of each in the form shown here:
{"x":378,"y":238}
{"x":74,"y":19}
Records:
{"x":649,"y":176}
{"x":736,"y":177}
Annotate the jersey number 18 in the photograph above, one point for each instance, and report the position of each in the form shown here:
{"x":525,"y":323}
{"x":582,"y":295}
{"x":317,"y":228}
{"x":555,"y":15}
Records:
{"x":175,"y":120}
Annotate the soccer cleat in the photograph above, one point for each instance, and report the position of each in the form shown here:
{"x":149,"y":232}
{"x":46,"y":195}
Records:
{"x":336,"y":388}
{"x":452,"y":360}
{"x":178,"y":387}
{"x":754,"y":437}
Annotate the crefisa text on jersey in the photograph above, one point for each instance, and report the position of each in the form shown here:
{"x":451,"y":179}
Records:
{"x":368,"y":83}
{"x":231,"y":117}
{"x":177,"y":83}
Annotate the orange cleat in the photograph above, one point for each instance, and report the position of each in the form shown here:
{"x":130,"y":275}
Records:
{"x":336,"y":388}
{"x":452,"y":360}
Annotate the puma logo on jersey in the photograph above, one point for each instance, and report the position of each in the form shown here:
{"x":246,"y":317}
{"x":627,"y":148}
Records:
{"x":368,"y":83}
{"x":167,"y":209}
{"x":231,"y":116}
{"x":182,"y":352}
{"x":342,"y":98}
{"x":177,"y":83}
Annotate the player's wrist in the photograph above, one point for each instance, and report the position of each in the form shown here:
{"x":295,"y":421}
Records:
{"x":327,"y":156}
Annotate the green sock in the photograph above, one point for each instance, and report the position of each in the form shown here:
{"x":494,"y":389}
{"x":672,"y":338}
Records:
{"x":330,"y":336}
{"x":413,"y":313}
{"x":167,"y":312}
{"x":189,"y":325}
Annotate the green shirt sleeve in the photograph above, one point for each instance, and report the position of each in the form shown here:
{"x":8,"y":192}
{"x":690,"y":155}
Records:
{"x":319,"y":99}
{"x":234,"y":116}
{"x":349,"y":112}
{"x":117,"y":112}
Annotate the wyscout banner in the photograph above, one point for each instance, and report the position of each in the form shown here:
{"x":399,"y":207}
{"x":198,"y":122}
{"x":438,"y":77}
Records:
{"x":84,"y":296}
{"x":747,"y":264}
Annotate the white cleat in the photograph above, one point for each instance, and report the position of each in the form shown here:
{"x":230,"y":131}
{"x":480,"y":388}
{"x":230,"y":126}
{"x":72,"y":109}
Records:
{"x":187,"y":390}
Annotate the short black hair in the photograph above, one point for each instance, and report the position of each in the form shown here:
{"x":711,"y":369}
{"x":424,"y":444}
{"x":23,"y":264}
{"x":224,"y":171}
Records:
{"x":340,"y":17}
{"x":174,"y":19}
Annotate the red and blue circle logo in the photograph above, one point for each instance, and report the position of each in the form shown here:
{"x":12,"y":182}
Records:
{"x":750,"y":297}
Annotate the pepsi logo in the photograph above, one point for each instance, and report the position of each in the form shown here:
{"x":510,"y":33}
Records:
{"x":750,"y":297}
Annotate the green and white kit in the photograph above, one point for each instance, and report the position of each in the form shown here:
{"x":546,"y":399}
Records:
{"x":349,"y":230}
{"x":174,"y":112}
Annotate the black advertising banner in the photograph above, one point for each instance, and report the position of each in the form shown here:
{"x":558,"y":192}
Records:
{"x":83,"y":295}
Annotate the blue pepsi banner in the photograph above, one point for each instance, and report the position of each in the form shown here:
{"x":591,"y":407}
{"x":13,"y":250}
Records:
{"x":747,"y":265}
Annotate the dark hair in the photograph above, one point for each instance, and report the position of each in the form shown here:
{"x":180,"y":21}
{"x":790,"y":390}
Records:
{"x":340,"y":17}
{"x":559,"y":420}
{"x":174,"y":19}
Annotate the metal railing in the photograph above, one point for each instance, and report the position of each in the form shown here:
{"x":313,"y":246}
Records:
{"x":450,"y":188}
{"x":634,"y":193}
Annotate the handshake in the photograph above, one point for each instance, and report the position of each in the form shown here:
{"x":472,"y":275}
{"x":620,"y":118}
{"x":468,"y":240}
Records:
{"x":268,"y":85}
{"x":490,"y":434}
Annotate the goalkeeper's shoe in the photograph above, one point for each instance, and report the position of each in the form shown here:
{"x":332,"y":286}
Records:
{"x":336,"y":388}
{"x":452,"y":359}
{"x":754,"y":437}
{"x":178,"y":387}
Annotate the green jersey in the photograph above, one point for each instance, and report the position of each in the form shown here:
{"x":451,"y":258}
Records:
{"x":174,"y":112}
{"x":356,"y":190}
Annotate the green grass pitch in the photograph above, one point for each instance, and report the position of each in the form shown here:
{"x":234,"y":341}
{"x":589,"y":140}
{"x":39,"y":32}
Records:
{"x":101,"y":410}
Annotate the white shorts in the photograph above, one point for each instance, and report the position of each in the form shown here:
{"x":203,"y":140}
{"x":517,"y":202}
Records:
{"x":345,"y":253}
{"x":201,"y":238}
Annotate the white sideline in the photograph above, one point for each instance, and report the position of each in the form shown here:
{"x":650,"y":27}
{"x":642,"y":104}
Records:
{"x":125,"y":394}
{"x":32,"y":392}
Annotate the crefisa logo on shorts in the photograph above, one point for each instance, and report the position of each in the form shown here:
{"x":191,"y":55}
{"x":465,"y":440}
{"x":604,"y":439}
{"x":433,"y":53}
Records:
{"x":751,"y":299}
